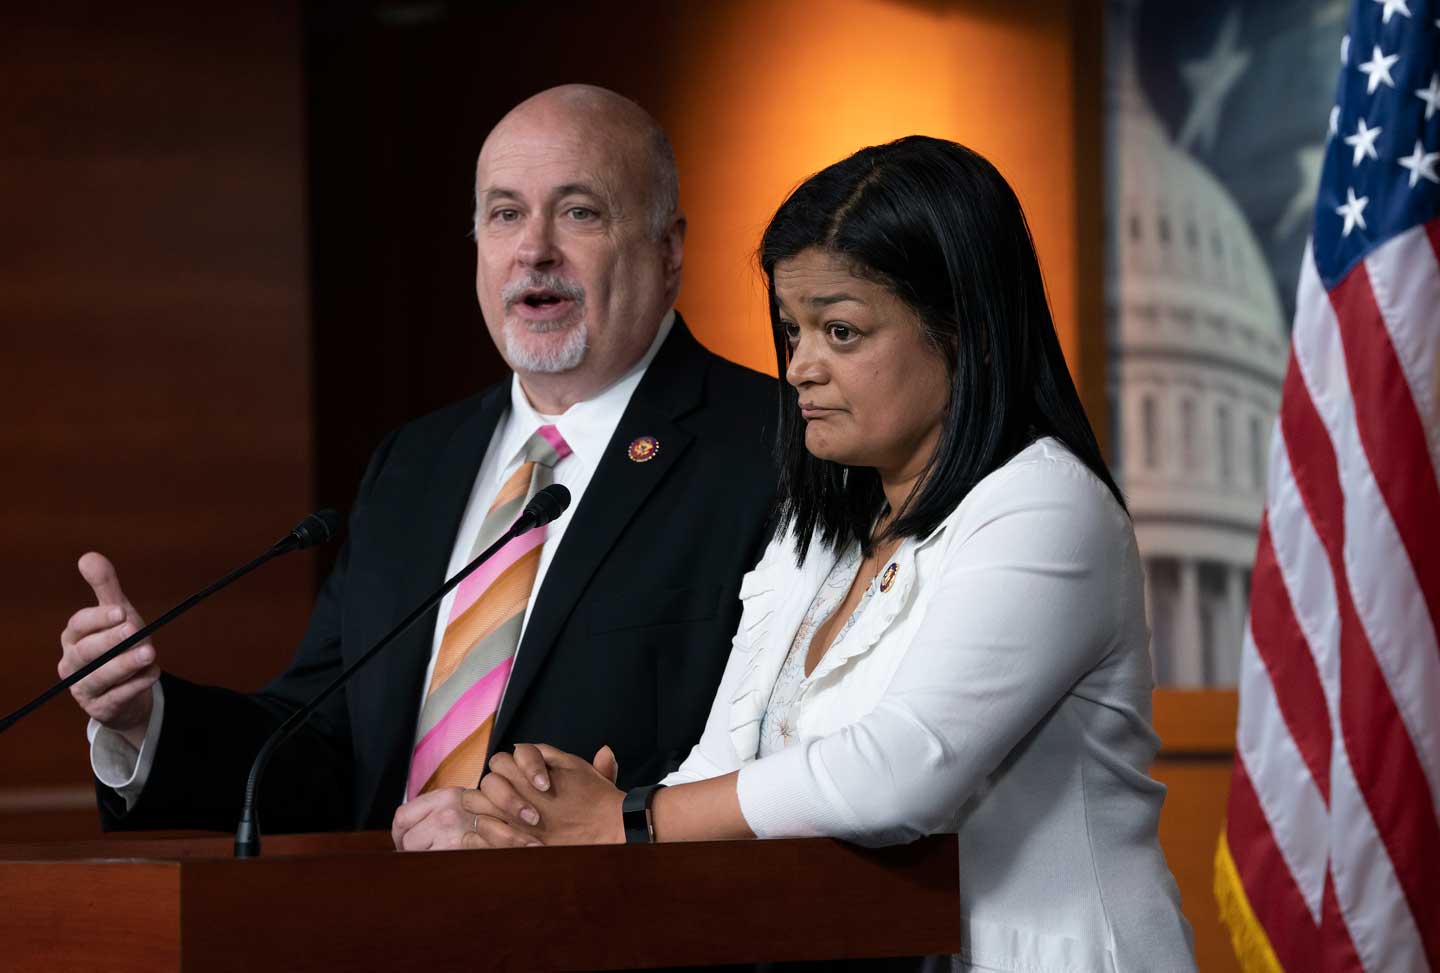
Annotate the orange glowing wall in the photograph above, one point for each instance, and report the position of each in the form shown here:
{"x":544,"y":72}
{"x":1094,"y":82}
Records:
{"x":769,"y":92}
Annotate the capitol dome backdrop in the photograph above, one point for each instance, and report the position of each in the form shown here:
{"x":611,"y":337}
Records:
{"x":1198,"y":329}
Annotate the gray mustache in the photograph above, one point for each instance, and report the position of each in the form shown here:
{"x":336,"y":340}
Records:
{"x":513,"y":292}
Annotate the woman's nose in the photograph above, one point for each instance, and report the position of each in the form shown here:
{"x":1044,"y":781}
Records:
{"x":804,"y":367}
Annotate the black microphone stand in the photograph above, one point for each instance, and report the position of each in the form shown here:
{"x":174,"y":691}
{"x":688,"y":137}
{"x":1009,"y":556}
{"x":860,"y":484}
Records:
{"x":541,"y":509}
{"x":315,"y":529}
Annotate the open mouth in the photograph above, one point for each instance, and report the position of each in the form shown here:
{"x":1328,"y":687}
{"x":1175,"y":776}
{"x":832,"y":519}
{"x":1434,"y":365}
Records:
{"x":541,"y":299}
{"x":543,"y":304}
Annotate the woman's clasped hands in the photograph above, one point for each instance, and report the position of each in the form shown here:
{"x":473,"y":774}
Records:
{"x":541,"y":795}
{"x":536,"y":796}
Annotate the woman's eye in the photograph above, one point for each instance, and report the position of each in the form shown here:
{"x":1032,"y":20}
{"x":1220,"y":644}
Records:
{"x":842,"y":333}
{"x":791,"y":331}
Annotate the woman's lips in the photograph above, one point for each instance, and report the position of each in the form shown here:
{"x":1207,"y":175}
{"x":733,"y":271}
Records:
{"x":816,"y":411}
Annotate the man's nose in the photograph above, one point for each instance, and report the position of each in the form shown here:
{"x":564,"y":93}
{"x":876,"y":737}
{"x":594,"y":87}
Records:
{"x":537,"y":245}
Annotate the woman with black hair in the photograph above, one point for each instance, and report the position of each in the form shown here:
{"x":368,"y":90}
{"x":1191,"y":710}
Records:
{"x":947,"y":632}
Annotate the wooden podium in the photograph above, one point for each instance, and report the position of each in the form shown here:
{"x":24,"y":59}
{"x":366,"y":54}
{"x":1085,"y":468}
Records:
{"x":348,"y":902}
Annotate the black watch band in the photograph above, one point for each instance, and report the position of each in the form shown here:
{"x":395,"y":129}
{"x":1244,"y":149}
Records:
{"x":639,"y":829}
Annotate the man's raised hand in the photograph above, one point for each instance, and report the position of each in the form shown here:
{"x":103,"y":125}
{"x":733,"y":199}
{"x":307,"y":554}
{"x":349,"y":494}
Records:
{"x":118,"y":694}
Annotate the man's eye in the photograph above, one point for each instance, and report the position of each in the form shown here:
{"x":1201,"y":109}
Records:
{"x":581,"y":213}
{"x":505,"y":215}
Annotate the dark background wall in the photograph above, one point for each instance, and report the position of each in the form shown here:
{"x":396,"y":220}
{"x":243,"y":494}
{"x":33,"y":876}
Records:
{"x":156,"y":368}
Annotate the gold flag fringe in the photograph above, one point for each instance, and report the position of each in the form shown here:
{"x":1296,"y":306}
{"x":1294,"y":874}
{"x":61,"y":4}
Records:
{"x":1247,"y":936}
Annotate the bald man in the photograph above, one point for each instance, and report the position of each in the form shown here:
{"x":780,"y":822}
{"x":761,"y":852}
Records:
{"x":609,"y":628}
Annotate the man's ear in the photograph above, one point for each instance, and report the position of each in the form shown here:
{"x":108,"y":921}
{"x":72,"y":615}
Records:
{"x":673,"y":244}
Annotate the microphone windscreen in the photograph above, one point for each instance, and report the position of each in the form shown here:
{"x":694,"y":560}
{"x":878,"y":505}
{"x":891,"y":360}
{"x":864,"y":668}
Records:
{"x":318,"y":528}
{"x":546,"y":505}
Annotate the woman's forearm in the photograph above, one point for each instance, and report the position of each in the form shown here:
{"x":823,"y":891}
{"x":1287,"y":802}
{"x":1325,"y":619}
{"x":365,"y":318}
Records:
{"x":704,"y":810}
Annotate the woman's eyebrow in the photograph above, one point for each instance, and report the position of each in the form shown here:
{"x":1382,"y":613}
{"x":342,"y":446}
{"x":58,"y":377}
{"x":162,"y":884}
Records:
{"x":825,"y":300}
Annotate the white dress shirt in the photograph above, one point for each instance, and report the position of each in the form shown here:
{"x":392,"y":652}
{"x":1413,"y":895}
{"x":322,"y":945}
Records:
{"x":586,"y":426}
{"x":1000,"y":689}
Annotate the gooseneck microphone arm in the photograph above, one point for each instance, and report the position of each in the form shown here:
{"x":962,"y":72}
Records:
{"x":314,"y":530}
{"x":544,"y":507}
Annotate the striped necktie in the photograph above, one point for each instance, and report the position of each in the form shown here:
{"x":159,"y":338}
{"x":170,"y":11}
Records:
{"x":482,"y":633}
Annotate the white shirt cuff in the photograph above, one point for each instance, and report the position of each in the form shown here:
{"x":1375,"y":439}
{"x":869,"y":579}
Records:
{"x":115,"y":761}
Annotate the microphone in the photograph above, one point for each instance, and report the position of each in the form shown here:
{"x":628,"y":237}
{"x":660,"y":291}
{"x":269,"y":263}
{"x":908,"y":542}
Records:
{"x":321,"y":527}
{"x":544,"y":507}
{"x":315,"y":529}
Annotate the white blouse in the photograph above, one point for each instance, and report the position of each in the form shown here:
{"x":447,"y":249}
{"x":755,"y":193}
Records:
{"x":999,"y":688}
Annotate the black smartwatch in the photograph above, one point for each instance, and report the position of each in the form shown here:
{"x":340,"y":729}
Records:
{"x":635,"y":812}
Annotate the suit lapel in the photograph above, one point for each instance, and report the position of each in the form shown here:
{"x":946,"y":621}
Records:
{"x":614,"y":498}
{"x":422,"y":558}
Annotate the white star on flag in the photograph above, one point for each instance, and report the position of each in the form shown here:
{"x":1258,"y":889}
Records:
{"x":1334,"y":119}
{"x":1345,"y":49}
{"x":1377,"y":69}
{"x":1363,"y":141}
{"x":1309,"y":160}
{"x":1210,"y":80}
{"x":1391,"y":6}
{"x":1430,"y":95}
{"x":1351,"y":210}
{"x":1421,"y":164}
{"x":1331,"y":12}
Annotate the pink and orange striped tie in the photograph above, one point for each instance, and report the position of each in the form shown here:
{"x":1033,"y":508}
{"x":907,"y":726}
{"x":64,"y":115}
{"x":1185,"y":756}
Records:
{"x":482,"y":633}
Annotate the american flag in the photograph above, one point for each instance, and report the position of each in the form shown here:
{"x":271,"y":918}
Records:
{"x":1330,"y":856}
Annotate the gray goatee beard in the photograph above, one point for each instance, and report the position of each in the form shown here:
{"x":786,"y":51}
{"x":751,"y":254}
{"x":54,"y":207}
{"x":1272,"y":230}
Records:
{"x":545,"y":358}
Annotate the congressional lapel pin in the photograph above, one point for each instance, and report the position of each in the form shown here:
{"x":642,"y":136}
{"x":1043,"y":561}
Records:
{"x":643,"y":449}
{"x":887,"y":580}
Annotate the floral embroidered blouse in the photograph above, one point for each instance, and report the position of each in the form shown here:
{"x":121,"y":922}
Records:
{"x":778,"y":727}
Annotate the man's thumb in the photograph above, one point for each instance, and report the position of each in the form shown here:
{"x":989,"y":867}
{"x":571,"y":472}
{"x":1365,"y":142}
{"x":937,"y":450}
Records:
{"x":606,"y":763}
{"x":100,"y":575}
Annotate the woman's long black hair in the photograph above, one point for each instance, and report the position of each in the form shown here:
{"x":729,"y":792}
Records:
{"x":938,"y":226}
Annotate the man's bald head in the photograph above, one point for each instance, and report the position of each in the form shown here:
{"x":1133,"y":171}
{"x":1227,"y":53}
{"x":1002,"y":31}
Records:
{"x":635,"y":140}
{"x":579,"y":240}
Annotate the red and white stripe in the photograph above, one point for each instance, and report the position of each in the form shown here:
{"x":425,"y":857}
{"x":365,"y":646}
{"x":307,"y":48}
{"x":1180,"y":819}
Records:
{"x":1333,"y":824}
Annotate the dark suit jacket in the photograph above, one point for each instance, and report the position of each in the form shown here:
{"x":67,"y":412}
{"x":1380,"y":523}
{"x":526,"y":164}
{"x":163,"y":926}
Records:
{"x":625,"y":644}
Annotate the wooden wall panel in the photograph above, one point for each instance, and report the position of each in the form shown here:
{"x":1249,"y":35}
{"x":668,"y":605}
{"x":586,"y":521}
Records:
{"x":1197,"y":732}
{"x":1189,"y":828}
{"x":155,"y":343}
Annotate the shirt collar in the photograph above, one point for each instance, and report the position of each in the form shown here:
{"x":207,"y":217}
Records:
{"x":586,"y":425}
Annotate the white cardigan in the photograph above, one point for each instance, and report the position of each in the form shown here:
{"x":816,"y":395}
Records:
{"x":1001,"y":690}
